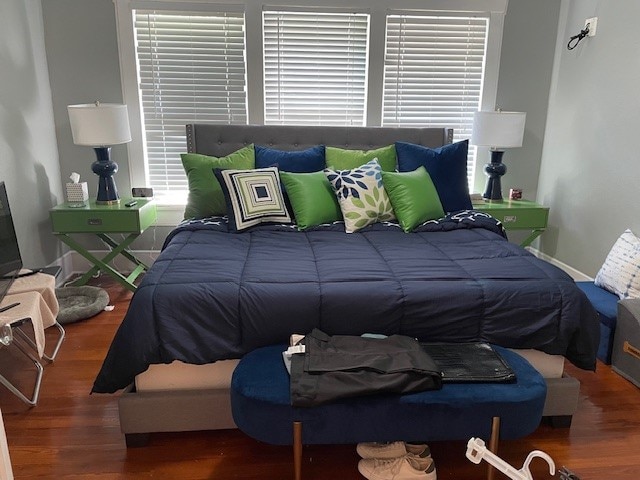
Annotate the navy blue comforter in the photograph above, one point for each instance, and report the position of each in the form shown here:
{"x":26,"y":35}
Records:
{"x":215,"y":295}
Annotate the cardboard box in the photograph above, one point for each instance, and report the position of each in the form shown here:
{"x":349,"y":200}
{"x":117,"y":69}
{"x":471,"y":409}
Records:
{"x":625,"y":359}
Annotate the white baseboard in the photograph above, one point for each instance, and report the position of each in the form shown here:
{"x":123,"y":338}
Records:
{"x":577,"y":275}
{"x":66,"y":264}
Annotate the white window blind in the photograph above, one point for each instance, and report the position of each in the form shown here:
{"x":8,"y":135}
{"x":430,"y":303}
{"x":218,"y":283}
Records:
{"x":191,"y":68}
{"x":433,"y":75}
{"x":315,"y":67}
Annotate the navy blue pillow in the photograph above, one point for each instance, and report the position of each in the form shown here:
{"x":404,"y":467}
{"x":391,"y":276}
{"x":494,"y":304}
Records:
{"x":447,"y":167}
{"x":301,"y":161}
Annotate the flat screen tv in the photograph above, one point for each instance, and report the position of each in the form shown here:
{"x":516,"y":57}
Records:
{"x":10,"y":259}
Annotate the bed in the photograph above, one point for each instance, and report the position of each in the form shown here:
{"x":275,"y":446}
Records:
{"x":212,"y":295}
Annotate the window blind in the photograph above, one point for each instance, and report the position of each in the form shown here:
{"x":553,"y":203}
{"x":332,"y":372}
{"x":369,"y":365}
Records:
{"x":434,"y":67}
{"x":191,"y":68}
{"x":315,"y":67}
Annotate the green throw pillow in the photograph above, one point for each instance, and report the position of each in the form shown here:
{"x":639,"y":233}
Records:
{"x":312,"y":198}
{"x":205,"y":194}
{"x":341,"y":159}
{"x":413,"y":196}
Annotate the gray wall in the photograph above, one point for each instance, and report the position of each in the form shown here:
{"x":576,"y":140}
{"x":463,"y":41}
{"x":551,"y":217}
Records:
{"x":80,"y":38}
{"x":82,"y":49}
{"x":28,"y":151}
{"x":526,"y":63}
{"x":83,"y":66}
{"x":588,"y":175}
{"x":590,"y":170}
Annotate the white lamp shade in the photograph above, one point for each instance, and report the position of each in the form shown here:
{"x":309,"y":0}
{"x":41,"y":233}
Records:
{"x":498,"y":129}
{"x":99,"y":124}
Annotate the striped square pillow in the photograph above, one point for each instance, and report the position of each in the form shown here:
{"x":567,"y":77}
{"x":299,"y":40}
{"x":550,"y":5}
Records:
{"x":620,"y":273}
{"x":253,"y":197}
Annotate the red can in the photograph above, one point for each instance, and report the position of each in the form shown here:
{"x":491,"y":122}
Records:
{"x":515,"y":194}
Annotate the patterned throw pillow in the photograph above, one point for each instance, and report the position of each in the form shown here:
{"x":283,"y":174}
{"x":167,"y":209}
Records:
{"x":620,"y":273}
{"x":252,"y":197}
{"x":361,"y":195}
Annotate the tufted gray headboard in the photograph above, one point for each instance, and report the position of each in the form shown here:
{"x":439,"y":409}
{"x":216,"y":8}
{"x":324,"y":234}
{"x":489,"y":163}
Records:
{"x":220,"y":140}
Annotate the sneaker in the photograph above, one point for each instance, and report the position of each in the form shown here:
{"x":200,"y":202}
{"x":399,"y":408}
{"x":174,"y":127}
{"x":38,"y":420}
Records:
{"x":408,"y":467}
{"x":418,"y":449}
{"x":392,"y":450}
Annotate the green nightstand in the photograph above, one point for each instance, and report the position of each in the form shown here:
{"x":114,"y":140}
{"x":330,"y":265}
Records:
{"x":518,"y":215}
{"x":102,"y":220}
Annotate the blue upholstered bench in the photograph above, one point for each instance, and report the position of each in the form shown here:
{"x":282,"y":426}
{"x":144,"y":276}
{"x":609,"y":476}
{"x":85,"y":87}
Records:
{"x":261,"y":406}
{"x":606,"y":304}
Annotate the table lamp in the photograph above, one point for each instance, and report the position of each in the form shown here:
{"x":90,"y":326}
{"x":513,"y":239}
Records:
{"x":498,"y":130}
{"x":100,"y":125}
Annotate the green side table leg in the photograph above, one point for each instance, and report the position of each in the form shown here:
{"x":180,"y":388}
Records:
{"x":111,"y":243}
{"x":534,"y":234}
{"x":103,"y":264}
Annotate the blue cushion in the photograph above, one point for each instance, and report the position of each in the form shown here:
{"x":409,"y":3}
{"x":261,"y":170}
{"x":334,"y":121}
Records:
{"x":606,"y":304}
{"x":302,"y":161}
{"x":447,"y":167}
{"x":261,"y":405}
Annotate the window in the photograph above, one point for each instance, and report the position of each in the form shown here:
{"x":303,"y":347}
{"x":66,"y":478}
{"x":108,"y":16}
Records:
{"x":191,"y":68}
{"x":315,"y":68}
{"x":304,"y":62}
{"x":433,"y":73}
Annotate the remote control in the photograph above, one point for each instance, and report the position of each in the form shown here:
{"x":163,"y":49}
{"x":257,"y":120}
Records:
{"x":131,"y":203}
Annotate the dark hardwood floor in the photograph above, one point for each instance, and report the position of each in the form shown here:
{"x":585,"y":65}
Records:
{"x":73,"y":435}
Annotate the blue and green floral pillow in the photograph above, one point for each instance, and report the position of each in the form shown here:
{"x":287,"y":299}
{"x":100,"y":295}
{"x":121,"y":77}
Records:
{"x":361,"y":195}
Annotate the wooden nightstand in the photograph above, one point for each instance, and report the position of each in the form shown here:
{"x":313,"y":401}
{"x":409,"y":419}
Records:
{"x":102,"y":220}
{"x":518,"y":215}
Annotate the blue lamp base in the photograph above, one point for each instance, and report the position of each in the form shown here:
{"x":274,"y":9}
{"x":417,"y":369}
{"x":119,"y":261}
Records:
{"x":494,"y":171}
{"x":104,"y":167}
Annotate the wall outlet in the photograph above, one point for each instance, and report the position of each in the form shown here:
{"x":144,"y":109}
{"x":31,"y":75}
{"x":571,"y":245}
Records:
{"x":593,"y":25}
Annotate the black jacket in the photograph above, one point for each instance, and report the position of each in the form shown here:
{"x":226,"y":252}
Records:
{"x":340,"y":366}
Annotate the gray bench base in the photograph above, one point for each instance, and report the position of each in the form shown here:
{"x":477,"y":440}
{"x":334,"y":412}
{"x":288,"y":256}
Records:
{"x":142,"y":413}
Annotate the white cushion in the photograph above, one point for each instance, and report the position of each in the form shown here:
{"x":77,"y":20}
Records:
{"x":620,"y":273}
{"x":253,"y":197}
{"x":361,"y":195}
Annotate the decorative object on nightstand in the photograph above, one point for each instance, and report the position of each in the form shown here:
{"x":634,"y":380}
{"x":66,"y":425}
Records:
{"x":77,"y":191}
{"x":100,"y":125}
{"x":498,"y":130}
{"x":130,"y":218}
